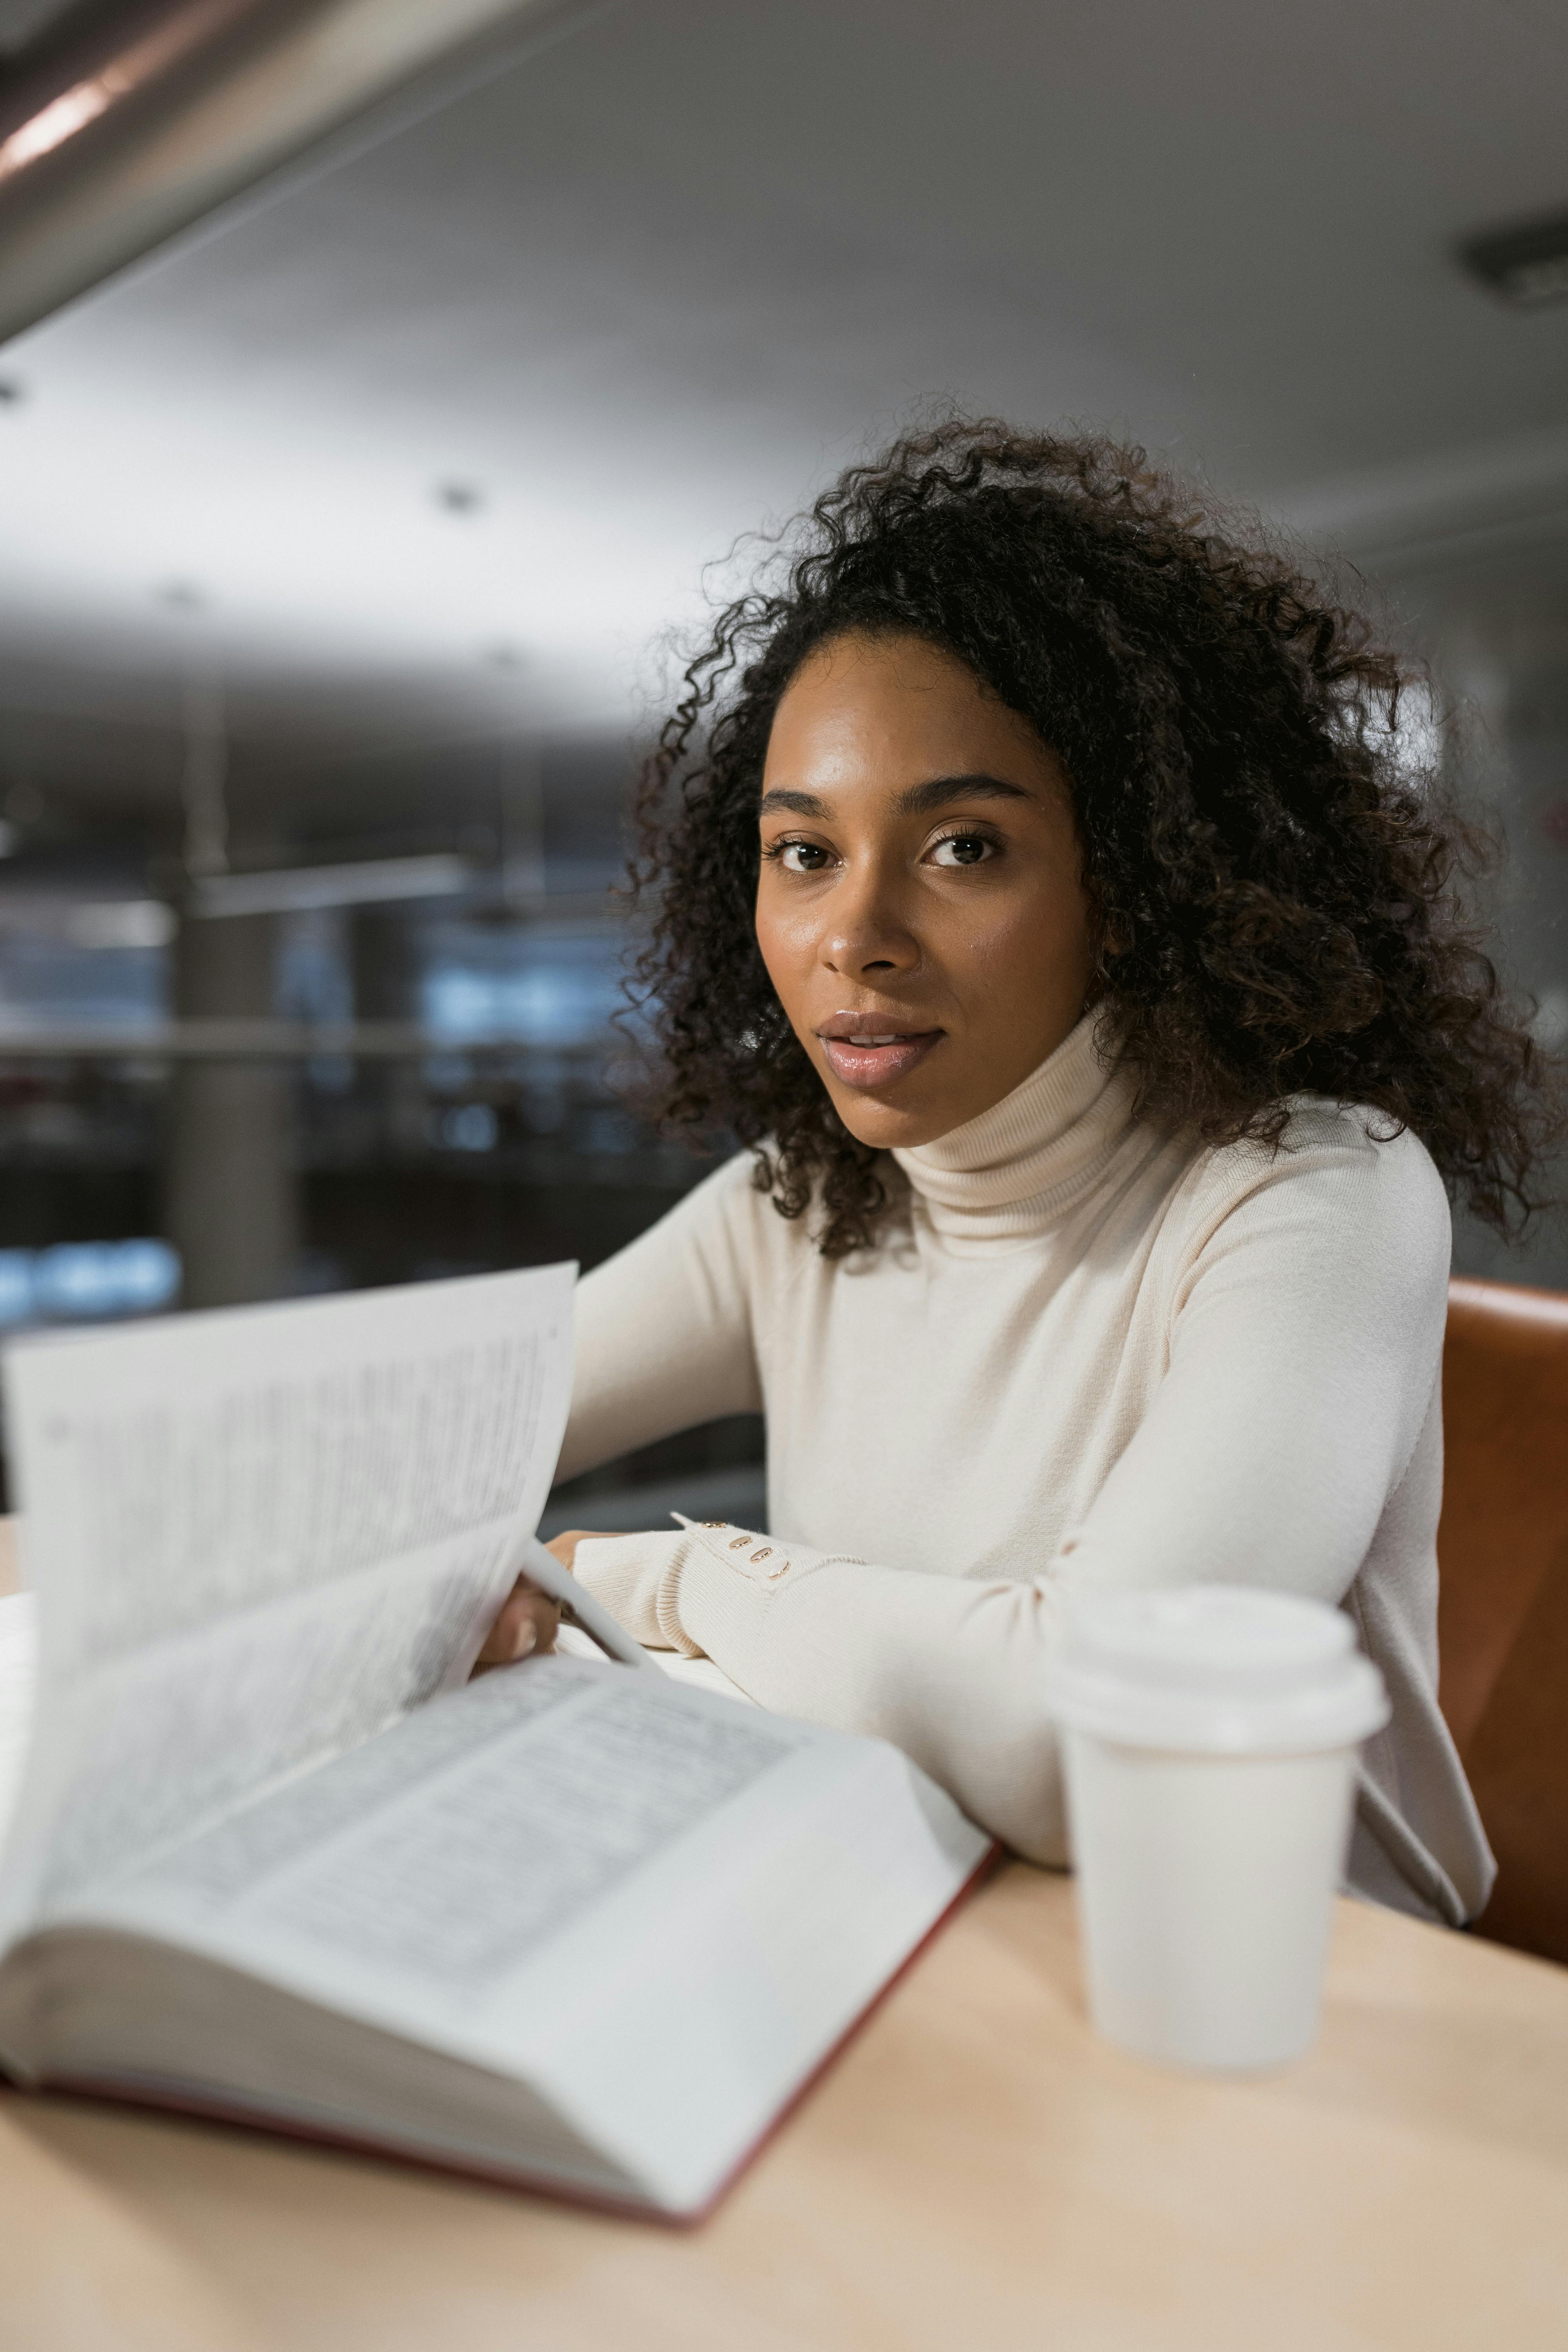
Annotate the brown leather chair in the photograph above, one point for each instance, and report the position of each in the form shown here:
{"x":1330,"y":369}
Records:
{"x":1502,"y":1614}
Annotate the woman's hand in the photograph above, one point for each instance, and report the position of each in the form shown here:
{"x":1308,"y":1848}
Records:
{"x":564,"y":1547}
{"x":528,"y":1619}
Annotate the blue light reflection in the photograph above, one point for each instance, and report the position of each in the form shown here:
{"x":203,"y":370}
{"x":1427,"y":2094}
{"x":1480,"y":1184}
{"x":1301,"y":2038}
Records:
{"x":86,"y":1281}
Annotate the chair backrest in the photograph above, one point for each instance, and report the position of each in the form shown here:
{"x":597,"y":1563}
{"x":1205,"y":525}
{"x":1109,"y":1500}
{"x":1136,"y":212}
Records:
{"x":1502,"y":1618}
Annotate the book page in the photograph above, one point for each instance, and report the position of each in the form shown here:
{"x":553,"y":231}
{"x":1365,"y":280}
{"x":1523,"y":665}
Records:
{"x":698,"y":1674}
{"x":442,"y":1853}
{"x":656,"y":1907}
{"x":19,"y":1653}
{"x":257,"y":1537}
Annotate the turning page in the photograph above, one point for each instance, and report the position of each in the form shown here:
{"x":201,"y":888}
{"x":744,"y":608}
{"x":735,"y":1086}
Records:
{"x":259,"y":1535}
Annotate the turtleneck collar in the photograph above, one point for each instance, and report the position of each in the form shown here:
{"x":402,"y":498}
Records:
{"x":1024,"y":1163}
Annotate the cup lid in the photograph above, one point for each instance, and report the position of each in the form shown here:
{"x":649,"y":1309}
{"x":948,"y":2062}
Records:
{"x":1216,"y":1669}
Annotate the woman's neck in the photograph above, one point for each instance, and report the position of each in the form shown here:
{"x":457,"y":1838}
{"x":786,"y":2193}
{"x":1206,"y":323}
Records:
{"x":1022,"y":1165}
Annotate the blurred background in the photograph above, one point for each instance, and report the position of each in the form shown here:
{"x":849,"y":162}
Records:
{"x":351,"y":506}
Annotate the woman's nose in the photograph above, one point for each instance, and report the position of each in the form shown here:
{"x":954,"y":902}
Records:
{"x":865,"y":929}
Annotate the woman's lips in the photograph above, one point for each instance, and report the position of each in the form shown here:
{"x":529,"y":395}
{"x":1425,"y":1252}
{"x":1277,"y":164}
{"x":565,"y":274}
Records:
{"x":855,"y":1063}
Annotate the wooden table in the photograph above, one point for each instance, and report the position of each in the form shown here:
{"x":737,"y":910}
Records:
{"x":978,"y":2172}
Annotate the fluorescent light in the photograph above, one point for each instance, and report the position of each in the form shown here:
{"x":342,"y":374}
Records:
{"x":121,"y":923}
{"x":59,"y":120}
{"x":239,"y":1038}
{"x":292,"y":890}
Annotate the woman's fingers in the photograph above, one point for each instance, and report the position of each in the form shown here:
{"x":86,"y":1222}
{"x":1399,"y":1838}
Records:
{"x":526,"y":1626}
{"x":565,"y":1546}
{"x":528,"y":1620}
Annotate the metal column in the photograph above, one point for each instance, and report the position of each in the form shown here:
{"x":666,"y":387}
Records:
{"x":232,"y":1188}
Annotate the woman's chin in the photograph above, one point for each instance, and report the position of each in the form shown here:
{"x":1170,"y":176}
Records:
{"x":896,"y":1117}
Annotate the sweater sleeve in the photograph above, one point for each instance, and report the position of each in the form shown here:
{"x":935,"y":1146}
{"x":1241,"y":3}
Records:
{"x":664,"y":1328}
{"x":1305,"y":1340}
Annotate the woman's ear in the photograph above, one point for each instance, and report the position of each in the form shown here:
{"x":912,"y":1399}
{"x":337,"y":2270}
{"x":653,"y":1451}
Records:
{"x":1112,"y":938}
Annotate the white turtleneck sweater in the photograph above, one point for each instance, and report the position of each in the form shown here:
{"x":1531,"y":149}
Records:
{"x":1096,"y":1353}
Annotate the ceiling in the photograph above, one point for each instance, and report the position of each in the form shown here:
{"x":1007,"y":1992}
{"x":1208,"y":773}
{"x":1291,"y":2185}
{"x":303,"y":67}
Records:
{"x":23,"y":20}
{"x":645,"y":288}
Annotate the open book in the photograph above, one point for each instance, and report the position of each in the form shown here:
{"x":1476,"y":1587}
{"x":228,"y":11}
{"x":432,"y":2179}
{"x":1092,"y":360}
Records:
{"x":274,"y":1856}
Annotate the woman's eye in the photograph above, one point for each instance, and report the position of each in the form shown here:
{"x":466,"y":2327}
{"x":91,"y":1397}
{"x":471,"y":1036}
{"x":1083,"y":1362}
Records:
{"x":803,"y":856}
{"x":964,"y":850}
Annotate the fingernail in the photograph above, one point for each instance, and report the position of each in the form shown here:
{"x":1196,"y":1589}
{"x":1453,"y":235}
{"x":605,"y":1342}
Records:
{"x":528,"y":1635}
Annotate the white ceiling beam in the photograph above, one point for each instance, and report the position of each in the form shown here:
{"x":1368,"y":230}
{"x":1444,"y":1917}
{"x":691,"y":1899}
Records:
{"x":119,"y":127}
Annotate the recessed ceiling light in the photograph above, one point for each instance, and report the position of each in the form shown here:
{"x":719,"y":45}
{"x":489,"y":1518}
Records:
{"x":184,"y":596}
{"x":459,"y":497}
{"x":1527,"y":265}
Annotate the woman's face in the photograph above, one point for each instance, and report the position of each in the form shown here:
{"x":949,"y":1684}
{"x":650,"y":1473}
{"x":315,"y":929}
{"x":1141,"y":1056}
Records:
{"x":921,"y":908}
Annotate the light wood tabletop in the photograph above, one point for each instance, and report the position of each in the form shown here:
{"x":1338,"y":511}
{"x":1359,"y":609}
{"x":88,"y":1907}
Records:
{"x":976,"y":2170}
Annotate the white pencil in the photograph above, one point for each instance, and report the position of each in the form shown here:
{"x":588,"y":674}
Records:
{"x":580,"y":1608}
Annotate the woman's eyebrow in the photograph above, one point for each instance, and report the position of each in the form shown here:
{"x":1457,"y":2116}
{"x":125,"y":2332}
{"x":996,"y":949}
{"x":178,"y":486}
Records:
{"x":918,"y":800}
{"x":921,"y":799}
{"x":797,"y":804}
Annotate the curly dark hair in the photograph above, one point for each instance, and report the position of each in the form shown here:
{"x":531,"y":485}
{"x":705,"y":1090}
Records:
{"x":1275,"y":884}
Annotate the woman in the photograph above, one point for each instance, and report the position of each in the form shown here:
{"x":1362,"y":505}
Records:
{"x":1041,"y":897}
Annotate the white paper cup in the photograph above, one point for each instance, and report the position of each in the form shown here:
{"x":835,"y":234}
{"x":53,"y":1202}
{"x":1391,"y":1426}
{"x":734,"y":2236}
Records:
{"x":1210,"y":1737}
